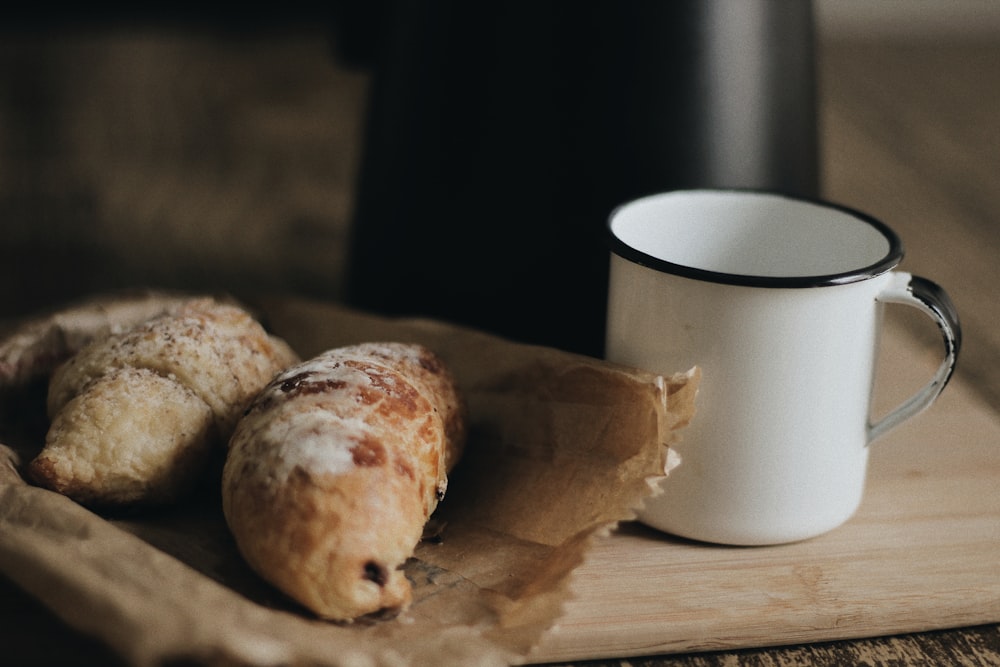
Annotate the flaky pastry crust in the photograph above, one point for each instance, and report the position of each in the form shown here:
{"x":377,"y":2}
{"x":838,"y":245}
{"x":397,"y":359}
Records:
{"x":135,"y":414}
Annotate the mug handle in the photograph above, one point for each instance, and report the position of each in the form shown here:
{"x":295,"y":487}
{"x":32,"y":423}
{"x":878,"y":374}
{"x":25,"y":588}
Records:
{"x":932,"y":300}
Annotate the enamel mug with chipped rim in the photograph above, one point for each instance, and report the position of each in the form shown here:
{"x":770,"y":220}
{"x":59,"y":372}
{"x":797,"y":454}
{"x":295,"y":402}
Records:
{"x":779,"y":300}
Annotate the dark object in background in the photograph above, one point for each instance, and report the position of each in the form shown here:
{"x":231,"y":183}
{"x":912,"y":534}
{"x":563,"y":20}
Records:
{"x":500,"y":136}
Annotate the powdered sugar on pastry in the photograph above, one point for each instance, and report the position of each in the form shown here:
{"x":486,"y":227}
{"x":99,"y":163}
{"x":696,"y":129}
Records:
{"x":334,"y":470}
{"x":136,"y":414}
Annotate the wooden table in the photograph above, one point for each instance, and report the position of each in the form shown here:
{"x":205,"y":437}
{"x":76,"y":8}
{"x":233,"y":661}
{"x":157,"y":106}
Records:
{"x":259,"y":135}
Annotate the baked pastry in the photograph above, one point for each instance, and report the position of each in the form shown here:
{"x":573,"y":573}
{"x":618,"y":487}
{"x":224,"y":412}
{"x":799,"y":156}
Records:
{"x":335,"y":469}
{"x":33,"y":350}
{"x":135,"y":414}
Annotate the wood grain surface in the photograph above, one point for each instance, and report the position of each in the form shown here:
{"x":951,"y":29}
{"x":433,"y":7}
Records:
{"x":921,"y":553}
{"x":214,"y":159}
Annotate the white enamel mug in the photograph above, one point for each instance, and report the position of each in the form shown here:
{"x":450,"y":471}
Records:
{"x":779,"y":301}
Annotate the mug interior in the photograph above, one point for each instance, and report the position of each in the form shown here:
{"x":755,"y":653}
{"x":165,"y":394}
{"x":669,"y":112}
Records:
{"x":752,"y":237}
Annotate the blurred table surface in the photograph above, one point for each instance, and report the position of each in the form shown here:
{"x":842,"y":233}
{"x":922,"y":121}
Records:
{"x":116,"y":148}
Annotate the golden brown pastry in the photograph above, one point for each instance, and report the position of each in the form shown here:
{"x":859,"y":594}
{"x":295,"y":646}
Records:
{"x":40,"y":344}
{"x":335,"y":469}
{"x":135,"y":414}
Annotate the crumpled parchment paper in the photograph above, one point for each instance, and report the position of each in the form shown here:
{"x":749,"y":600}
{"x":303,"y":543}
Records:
{"x":561,"y":448}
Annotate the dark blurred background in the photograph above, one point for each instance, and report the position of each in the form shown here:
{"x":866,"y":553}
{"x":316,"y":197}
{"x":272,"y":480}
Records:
{"x":177,"y":150}
{"x":438,"y":158}
{"x":456,"y":161}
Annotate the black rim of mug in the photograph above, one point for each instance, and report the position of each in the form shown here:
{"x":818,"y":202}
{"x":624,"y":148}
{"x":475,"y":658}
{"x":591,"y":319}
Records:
{"x":892,"y":258}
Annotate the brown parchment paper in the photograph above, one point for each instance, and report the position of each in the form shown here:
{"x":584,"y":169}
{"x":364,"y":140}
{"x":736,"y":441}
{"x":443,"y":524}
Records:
{"x":561,"y":448}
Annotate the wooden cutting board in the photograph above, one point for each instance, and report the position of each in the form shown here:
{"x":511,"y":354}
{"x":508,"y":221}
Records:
{"x":922,"y":553}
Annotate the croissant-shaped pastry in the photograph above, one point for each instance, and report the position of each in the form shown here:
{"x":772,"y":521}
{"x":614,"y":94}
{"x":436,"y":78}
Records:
{"x":135,"y":415}
{"x":335,"y":469}
{"x":39,"y":345}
